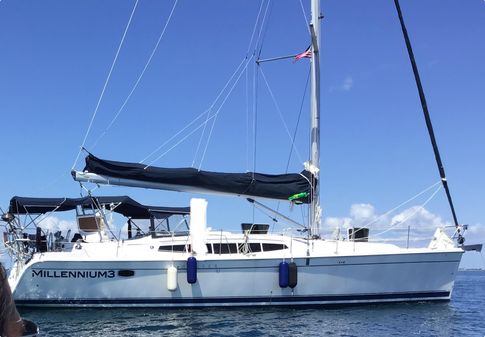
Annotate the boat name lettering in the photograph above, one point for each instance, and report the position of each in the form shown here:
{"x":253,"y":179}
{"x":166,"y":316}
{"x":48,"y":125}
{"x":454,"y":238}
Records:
{"x":73,"y":273}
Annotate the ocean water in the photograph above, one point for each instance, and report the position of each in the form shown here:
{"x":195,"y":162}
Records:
{"x":464,"y":315}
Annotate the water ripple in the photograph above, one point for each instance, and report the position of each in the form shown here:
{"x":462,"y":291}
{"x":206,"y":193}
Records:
{"x":463,"y":316}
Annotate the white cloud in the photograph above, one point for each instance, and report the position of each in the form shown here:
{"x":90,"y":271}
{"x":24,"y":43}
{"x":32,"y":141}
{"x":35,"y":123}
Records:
{"x":333,"y":222}
{"x":360,"y":215}
{"x":53,"y":224}
{"x":420,"y":218}
{"x":362,"y":212}
{"x":346,"y":85}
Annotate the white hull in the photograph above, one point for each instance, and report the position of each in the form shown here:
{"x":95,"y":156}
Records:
{"x":72,"y":279}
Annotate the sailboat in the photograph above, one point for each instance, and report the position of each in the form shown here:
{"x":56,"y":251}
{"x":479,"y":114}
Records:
{"x":197,"y":266}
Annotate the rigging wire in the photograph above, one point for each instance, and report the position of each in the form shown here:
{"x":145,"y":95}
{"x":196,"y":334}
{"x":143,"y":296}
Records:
{"x":105,"y":84}
{"x":53,"y":182}
{"x":280,"y":115}
{"x":175,"y":135}
{"x":255,"y":113}
{"x":218,"y":111}
{"x":193,"y":121}
{"x":419,"y":208}
{"x":264,"y":28}
{"x":244,"y":60}
{"x":254,"y":28}
{"x":296,"y":127}
{"x":272,"y":218}
{"x":201,"y":137}
{"x":298,"y":120}
{"x":207,"y":113}
{"x":177,"y":143}
{"x":305,"y":17}
{"x":210,"y":109}
{"x":139,"y":77}
{"x":255,"y":87}
{"x":46,"y":215}
{"x":247,"y":120}
{"x":214,"y":116}
{"x":402,"y":204}
{"x":258,"y":42}
{"x":247,"y":95}
{"x":258,"y":39}
{"x":247,"y":85}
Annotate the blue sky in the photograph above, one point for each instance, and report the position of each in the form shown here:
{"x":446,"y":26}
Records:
{"x":55,"y":57}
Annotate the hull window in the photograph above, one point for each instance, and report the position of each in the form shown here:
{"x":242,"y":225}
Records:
{"x":225,"y":248}
{"x":174,"y":248}
{"x":267,"y":247}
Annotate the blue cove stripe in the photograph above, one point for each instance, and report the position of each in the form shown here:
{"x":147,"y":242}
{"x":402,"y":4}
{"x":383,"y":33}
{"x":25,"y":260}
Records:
{"x":243,"y":300}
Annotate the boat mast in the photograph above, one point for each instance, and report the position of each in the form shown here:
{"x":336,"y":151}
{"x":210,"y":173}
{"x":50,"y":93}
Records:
{"x":315,"y":119}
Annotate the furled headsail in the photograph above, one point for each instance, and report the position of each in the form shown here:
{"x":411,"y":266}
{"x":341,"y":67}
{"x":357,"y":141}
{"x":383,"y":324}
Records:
{"x":293,"y":186}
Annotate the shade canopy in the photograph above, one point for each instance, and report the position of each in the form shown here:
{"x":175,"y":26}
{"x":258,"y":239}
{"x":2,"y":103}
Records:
{"x":120,"y":204}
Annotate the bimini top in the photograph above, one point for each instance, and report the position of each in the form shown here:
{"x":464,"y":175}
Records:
{"x":120,"y":204}
{"x":273,"y":186}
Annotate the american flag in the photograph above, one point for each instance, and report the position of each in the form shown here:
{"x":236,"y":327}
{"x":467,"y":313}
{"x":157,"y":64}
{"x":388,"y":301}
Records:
{"x":306,"y":54}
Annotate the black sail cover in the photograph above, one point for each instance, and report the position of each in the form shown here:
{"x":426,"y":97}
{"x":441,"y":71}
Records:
{"x":272,"y":186}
